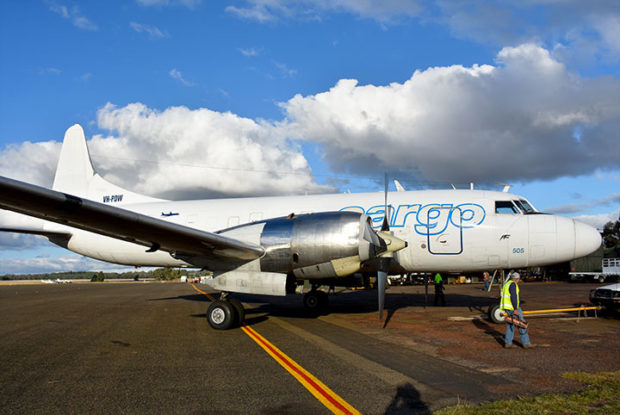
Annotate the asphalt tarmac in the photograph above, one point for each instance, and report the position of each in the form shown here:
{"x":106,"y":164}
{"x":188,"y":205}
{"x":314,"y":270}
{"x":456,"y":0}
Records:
{"x":147,"y":348}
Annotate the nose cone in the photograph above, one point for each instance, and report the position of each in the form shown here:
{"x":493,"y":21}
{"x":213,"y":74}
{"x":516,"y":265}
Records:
{"x":587,"y":239}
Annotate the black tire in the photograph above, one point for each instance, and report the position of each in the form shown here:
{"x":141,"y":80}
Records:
{"x":495,"y":314}
{"x":221,"y":315}
{"x":315,"y":301}
{"x":239,"y":311}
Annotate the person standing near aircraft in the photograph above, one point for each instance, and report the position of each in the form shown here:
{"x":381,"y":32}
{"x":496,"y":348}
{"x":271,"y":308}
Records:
{"x":487,"y":281}
{"x":510,"y":304}
{"x":439,"y":288}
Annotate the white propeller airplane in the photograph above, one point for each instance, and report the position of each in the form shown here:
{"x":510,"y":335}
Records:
{"x":270,"y":245}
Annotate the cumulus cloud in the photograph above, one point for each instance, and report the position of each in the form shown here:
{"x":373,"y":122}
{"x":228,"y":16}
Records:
{"x":515,"y":121}
{"x":30,"y":162}
{"x":180,"y":153}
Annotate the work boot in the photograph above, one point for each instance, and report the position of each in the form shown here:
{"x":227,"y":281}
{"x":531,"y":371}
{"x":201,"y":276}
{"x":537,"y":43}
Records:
{"x":509,"y":346}
{"x":529,"y":346}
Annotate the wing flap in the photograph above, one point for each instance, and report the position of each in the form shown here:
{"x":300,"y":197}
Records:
{"x":120,"y":223}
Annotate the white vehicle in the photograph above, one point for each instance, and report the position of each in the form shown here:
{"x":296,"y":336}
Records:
{"x":270,"y":245}
{"x":607,"y":296}
{"x":610,"y":270}
{"x":56,"y":281}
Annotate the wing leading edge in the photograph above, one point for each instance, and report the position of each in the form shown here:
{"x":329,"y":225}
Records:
{"x":122,"y":224}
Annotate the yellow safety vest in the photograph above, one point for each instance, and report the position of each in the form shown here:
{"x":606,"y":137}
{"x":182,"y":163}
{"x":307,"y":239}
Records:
{"x":506,"y":303}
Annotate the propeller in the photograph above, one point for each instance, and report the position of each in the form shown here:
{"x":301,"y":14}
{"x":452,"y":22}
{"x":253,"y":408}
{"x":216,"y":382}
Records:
{"x":392,"y":244}
{"x":378,"y":247}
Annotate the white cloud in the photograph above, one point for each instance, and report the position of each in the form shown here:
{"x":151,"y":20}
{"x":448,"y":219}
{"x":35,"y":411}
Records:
{"x":599,"y":221}
{"x":30,"y":162}
{"x":249,"y":52}
{"x":19,"y":241}
{"x":153,"y":31}
{"x":176,"y":74}
{"x":285,"y":71}
{"x":579,"y":31}
{"x":511,"y":122}
{"x":46,"y":264}
{"x":190,"y":4}
{"x":271,"y":10}
{"x":74,"y":15}
{"x":50,"y":70}
{"x":180,"y":153}
{"x":608,"y":201}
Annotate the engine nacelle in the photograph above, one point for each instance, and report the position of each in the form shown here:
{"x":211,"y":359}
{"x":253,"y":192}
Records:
{"x":320,"y":245}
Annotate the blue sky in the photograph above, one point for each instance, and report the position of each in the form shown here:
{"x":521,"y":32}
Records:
{"x":325,"y":95}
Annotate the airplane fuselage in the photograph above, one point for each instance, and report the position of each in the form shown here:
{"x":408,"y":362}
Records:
{"x":446,"y":230}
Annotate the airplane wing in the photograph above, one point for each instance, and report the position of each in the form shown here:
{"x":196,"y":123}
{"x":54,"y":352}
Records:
{"x":120,"y":223}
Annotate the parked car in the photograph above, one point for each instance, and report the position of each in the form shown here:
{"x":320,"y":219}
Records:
{"x":607,"y":296}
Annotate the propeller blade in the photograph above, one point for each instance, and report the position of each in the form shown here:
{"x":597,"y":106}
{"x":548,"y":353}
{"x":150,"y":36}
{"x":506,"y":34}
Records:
{"x":381,"y":283}
{"x":386,"y":224}
{"x":382,"y":275}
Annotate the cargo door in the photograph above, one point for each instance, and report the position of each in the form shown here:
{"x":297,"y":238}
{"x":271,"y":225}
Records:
{"x":445,"y":230}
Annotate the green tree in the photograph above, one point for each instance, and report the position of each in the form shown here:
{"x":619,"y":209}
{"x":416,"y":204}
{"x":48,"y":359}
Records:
{"x":98,"y":277}
{"x":611,"y":234}
{"x":166,"y":274}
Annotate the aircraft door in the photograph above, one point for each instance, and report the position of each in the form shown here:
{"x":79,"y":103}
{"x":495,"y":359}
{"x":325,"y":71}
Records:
{"x":444,"y":230}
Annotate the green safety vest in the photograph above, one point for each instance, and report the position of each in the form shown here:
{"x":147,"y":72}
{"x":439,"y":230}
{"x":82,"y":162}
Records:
{"x":506,"y":303}
{"x":438,"y":278}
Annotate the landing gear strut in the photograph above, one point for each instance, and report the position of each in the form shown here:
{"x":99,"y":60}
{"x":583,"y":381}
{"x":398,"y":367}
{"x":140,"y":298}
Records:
{"x":224,"y":313}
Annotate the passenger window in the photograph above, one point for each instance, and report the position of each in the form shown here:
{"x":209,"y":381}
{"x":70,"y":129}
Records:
{"x":505,"y":207}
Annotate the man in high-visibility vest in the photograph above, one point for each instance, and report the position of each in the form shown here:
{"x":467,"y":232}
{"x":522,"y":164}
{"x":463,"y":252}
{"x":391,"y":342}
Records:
{"x":510,"y":305}
{"x":439,"y":297}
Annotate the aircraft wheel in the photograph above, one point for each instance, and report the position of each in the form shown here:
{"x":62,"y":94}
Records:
{"x":221,"y":315}
{"x":239,"y":311}
{"x":315,"y":301}
{"x":495,"y":314}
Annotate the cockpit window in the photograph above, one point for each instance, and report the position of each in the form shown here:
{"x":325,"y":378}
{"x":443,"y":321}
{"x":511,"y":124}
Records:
{"x":527,"y":208}
{"x":505,"y":207}
{"x":519,"y":205}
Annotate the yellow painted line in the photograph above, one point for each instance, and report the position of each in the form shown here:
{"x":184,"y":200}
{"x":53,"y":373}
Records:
{"x":326,"y":396}
{"x":202,"y":292}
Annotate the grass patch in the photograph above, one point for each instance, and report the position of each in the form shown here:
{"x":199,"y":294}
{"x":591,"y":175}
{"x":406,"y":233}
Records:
{"x":601,"y":395}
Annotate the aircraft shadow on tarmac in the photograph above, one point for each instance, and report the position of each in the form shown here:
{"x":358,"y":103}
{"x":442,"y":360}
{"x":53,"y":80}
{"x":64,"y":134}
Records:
{"x":343,"y":302}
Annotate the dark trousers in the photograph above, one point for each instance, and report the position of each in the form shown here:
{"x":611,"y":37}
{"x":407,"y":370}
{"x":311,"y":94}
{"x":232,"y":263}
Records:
{"x":440,"y":297}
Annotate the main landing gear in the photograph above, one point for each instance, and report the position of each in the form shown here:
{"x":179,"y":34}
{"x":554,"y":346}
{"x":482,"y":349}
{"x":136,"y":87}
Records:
{"x":225,"y":313}
{"x":315,"y":301}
